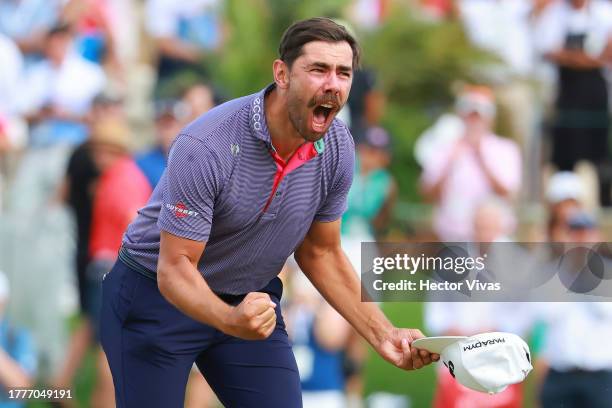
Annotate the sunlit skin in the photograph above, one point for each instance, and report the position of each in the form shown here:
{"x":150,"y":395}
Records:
{"x":322,"y":75}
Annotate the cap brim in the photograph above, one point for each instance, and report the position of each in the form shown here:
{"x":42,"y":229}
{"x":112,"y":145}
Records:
{"x":436,"y":344}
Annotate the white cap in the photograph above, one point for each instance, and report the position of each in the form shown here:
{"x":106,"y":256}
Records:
{"x":564,"y":185}
{"x":487,"y":362}
{"x":4,"y":287}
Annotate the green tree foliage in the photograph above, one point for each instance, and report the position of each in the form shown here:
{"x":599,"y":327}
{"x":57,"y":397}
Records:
{"x":254,"y":31}
{"x":244,"y":63}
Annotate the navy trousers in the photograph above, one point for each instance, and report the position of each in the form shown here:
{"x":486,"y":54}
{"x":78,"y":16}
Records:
{"x":151,"y":346}
{"x":577,"y":389}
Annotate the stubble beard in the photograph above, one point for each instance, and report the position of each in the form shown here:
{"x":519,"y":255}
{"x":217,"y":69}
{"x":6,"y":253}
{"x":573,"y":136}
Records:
{"x":299,"y":121}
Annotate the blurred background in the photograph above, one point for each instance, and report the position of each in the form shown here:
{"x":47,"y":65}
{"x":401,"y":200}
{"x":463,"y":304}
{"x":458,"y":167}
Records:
{"x":474,"y":120}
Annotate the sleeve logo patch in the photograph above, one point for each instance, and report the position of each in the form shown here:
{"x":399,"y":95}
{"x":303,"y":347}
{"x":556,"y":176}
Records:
{"x":180,"y":210}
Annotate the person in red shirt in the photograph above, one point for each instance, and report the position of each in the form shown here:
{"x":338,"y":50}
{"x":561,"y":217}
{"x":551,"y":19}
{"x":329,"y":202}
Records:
{"x":121,"y":191}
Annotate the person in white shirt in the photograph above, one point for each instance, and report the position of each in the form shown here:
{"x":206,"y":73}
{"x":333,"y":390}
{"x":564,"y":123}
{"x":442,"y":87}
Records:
{"x":184,"y":33}
{"x":576,"y":37}
{"x":58,"y":91}
{"x":28,"y":21}
{"x":576,"y":352}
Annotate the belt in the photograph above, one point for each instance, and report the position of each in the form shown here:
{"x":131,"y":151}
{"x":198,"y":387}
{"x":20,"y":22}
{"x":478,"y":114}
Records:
{"x":273,"y":288}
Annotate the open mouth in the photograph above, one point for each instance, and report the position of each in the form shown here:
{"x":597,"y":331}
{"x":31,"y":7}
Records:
{"x":322,"y":116}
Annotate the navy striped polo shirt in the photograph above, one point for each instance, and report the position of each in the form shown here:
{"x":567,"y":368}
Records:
{"x":226,"y":185}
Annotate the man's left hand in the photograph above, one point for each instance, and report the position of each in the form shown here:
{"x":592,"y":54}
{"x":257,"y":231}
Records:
{"x":395,"y":348}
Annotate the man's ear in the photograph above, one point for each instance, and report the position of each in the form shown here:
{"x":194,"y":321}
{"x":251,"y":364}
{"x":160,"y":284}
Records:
{"x":281,"y":74}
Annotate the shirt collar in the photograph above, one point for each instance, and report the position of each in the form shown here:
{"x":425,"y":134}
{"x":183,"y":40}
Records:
{"x":259,"y":126}
{"x":257,"y":115}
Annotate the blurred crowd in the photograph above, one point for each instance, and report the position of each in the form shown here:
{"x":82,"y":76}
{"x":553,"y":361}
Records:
{"x":90,"y":104}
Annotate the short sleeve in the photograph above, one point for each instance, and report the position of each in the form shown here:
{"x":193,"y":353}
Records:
{"x":192,"y":183}
{"x":548,"y":30}
{"x":335,"y":203}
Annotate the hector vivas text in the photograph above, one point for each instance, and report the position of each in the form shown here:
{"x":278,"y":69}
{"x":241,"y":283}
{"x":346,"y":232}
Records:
{"x":422,"y":263}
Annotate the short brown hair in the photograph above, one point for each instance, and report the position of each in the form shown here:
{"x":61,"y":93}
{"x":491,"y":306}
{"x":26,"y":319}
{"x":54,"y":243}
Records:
{"x":314,"y":29}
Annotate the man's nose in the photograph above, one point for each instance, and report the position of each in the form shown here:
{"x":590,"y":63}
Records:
{"x":332,"y":83}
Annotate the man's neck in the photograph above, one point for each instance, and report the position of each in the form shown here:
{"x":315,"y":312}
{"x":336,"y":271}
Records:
{"x":283,"y":135}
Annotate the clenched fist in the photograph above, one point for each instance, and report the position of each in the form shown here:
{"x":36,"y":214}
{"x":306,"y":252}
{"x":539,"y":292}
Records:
{"x":253,"y":319}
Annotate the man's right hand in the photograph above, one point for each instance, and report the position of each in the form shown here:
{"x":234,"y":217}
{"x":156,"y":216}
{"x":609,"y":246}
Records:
{"x":253,"y":319}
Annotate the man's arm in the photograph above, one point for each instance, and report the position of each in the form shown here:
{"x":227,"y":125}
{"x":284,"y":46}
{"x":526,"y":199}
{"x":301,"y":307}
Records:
{"x":181,"y":283}
{"x":577,"y":59}
{"x":323,"y":261}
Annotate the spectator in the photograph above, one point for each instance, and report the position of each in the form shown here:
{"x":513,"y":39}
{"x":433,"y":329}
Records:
{"x":365,"y":105}
{"x":579,"y":368}
{"x":373,"y":191}
{"x":27,"y":22}
{"x":199,"y":98}
{"x":370,"y":204}
{"x":184,"y":33}
{"x":467,"y":169}
{"x":121,"y":191}
{"x":372,"y":194}
{"x":319,"y":336}
{"x":575,"y":36}
{"x":55,"y":103}
{"x":17,"y":354}
{"x":564,"y":197}
{"x":170,"y":117}
{"x":95,"y":35}
{"x":502,"y":28}
{"x":107,"y":105}
{"x":78,"y":192}
{"x":493,"y":222}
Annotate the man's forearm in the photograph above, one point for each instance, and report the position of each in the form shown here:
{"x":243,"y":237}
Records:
{"x":334,"y":277}
{"x":183,"y":286}
{"x":574,"y":59}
